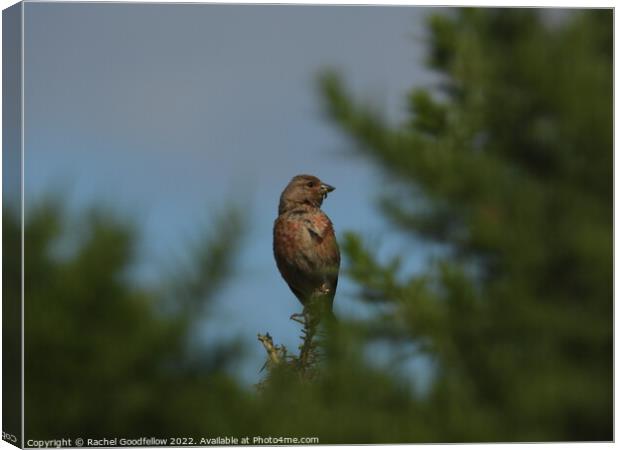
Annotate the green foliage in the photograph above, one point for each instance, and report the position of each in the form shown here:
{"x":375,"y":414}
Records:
{"x":105,"y":357}
{"x":508,"y":163}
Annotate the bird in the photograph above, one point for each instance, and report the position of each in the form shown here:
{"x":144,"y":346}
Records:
{"x":305,"y":246}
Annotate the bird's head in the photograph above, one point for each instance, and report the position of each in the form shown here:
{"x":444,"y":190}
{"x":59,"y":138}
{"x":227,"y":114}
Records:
{"x":303,"y":190}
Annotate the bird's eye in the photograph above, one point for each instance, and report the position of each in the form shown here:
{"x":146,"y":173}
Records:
{"x":310,"y":184}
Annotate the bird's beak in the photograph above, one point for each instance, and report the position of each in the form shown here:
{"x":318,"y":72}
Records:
{"x":325,"y":188}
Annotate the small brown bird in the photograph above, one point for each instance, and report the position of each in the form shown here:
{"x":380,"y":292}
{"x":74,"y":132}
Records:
{"x":304,"y":244}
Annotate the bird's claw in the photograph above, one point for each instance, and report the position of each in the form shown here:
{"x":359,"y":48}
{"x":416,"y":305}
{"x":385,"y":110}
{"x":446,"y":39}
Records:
{"x":324,"y":289}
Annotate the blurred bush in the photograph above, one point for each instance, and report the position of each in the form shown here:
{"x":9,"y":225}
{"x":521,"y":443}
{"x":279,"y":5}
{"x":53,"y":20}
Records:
{"x":508,"y":164}
{"x":104,"y":356}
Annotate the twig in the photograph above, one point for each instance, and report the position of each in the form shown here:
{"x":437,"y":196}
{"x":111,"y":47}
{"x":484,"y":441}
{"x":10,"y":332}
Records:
{"x":273,"y":351}
{"x":306,"y":354}
{"x":304,"y":364}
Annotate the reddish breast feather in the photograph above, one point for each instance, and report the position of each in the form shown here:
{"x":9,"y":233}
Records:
{"x":287,"y":236}
{"x":321,"y":221}
{"x":298,"y":233}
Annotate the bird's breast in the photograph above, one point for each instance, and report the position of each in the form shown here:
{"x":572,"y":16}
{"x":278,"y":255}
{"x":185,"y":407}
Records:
{"x":298,"y":234}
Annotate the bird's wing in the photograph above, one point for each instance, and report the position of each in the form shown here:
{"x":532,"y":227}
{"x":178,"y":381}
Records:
{"x":326,"y":252}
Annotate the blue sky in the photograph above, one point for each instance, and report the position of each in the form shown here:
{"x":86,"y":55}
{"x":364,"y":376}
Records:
{"x":169,"y":111}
